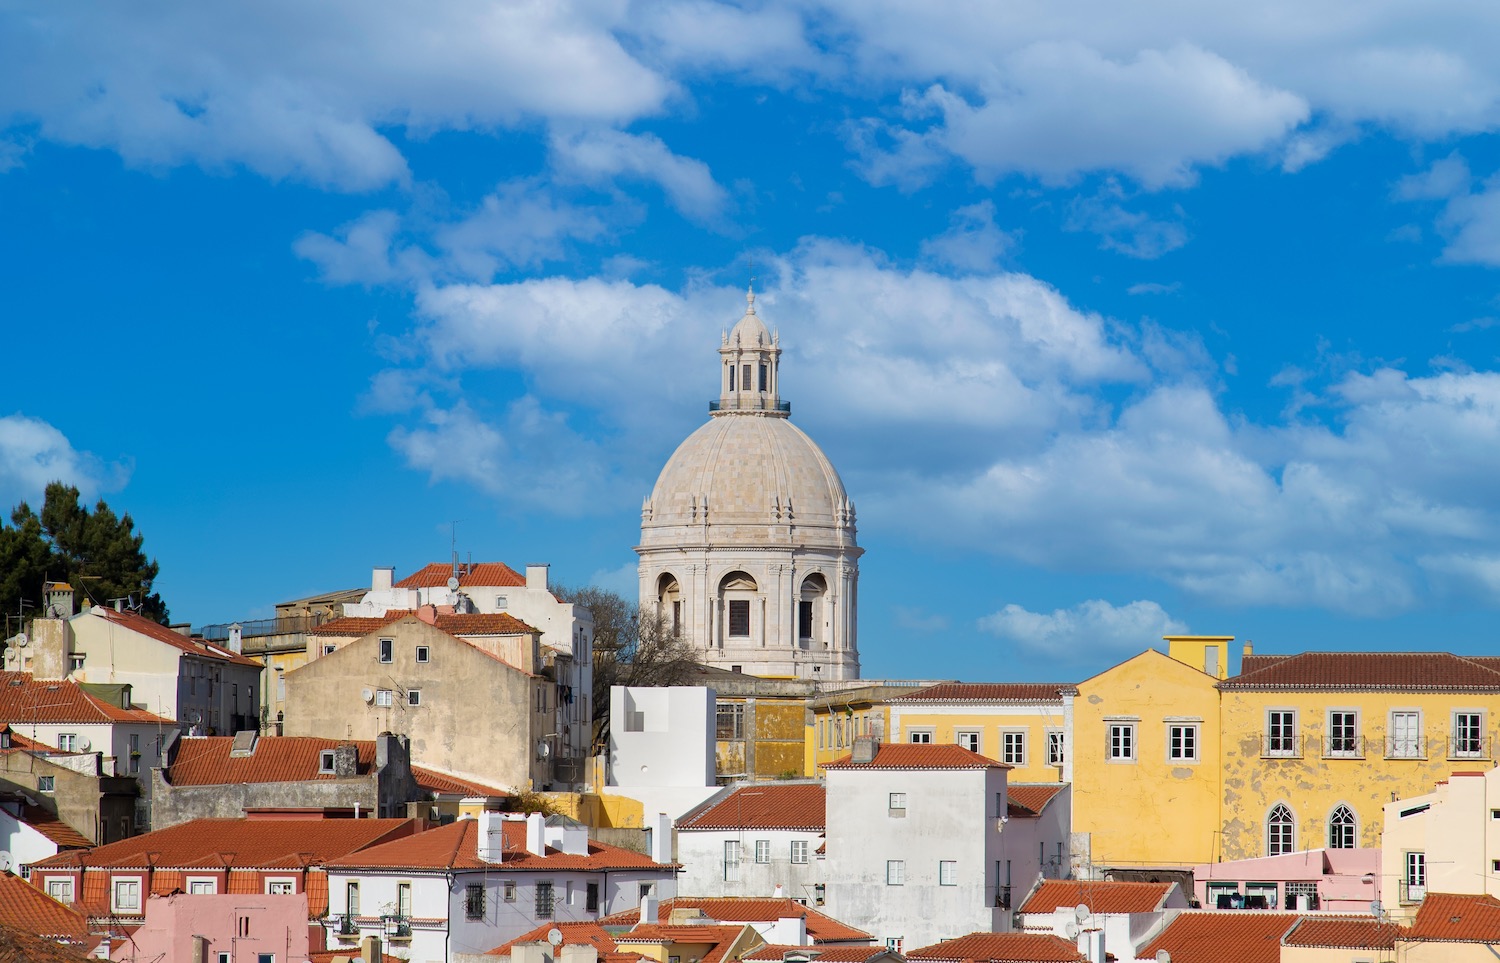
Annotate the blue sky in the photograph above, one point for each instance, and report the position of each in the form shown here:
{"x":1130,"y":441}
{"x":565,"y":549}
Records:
{"x":1116,"y":322}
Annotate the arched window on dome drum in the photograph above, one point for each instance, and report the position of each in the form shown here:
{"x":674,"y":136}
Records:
{"x":1280,"y":831}
{"x":809,"y":607}
{"x":736,"y":590}
{"x":669,"y":603}
{"x":1341,"y":828}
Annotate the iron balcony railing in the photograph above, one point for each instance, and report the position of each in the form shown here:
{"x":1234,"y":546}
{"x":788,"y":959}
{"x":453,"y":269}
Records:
{"x":734,"y":405}
{"x":347,"y":926}
{"x":259,"y":628}
{"x":1391,"y":747}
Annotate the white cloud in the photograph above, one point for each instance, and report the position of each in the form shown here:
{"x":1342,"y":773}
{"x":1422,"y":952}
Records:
{"x":1154,"y":287}
{"x":1132,"y":233}
{"x":599,"y":157}
{"x":1086,"y":631}
{"x":33,"y":453}
{"x":916,"y":620}
{"x":972,"y":243}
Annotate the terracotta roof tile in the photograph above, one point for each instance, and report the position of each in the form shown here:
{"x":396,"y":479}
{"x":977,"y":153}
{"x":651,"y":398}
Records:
{"x":58,"y":832}
{"x":459,"y":624}
{"x":1048,"y":692}
{"x":906,"y":755}
{"x":245,"y":843}
{"x":159,"y":632}
{"x":1368,"y":671}
{"x":821,"y":928}
{"x":1008,"y":947}
{"x":824,"y":954}
{"x":1029,"y":798}
{"x":1452,"y":917}
{"x":1100,"y":896}
{"x":329,"y":956}
{"x":206,"y":760}
{"x":478,"y":574}
{"x":19,"y":946}
{"x":448,"y":784}
{"x":722,"y":938}
{"x":763,"y":806}
{"x":24,"y":699}
{"x":1212,"y":937}
{"x":1343,"y":932}
{"x":25,"y":907}
{"x":455,"y":847}
{"x":586,"y":933}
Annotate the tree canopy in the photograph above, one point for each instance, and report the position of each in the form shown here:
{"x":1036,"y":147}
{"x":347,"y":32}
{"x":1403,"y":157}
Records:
{"x":97,"y":552}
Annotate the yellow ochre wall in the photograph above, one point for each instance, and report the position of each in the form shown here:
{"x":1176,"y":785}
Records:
{"x":1312,"y":785}
{"x":828,"y":739}
{"x":1150,"y":811}
{"x":991,"y":721}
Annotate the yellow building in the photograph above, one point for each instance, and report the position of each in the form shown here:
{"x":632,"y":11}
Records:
{"x":1315,"y":744}
{"x":834,"y":720}
{"x":1026,"y":725}
{"x":1145,"y":758}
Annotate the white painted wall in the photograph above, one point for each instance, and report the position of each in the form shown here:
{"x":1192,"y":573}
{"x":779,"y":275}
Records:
{"x":661,"y":736}
{"x":24,"y":844}
{"x":704,"y":873}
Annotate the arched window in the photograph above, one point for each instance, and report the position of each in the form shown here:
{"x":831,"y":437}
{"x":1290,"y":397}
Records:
{"x":669,"y":603}
{"x":1280,"y":831}
{"x":809,"y":605}
{"x":1341,"y":828}
{"x":737,"y":589}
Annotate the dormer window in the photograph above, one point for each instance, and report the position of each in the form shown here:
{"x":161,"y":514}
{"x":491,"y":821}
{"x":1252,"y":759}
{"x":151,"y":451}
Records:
{"x":325,"y":762}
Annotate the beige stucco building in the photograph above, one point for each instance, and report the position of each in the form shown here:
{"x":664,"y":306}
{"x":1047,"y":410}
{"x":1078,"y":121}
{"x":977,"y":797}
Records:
{"x":748,"y":538}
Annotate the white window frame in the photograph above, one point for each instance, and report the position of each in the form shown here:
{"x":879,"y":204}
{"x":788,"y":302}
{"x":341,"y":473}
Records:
{"x":762,"y":851}
{"x":733,"y":853}
{"x":947,"y":872}
{"x":895,"y":872}
{"x":387,"y":653}
{"x":970,"y":739}
{"x":1013,"y":746}
{"x":1455,"y":750}
{"x":414,"y":697}
{"x":1396,"y":751}
{"x":1121,"y":745}
{"x":67,"y":742}
{"x":1057,"y":746}
{"x":1285,"y":744}
{"x":1414,"y":876}
{"x":1341,"y":745}
{"x":206,"y":885}
{"x":276,"y":884}
{"x":329,"y":648}
{"x":384,"y":698}
{"x":896,"y":804}
{"x":799,"y":851}
{"x":424,"y":653}
{"x":508,"y":890}
{"x":60,"y":888}
{"x":128,"y":884}
{"x":1184,"y":742}
{"x":46,"y":784}
{"x":920,"y":737}
{"x":327,"y":762}
{"x":1353,"y":827}
{"x":1275,"y":844}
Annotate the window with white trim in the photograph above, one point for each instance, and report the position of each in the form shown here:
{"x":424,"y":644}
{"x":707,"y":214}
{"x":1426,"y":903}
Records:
{"x":947,"y":872}
{"x":281,"y":887}
{"x":1342,"y":828}
{"x":896,"y":803}
{"x":1182,"y":742}
{"x":799,"y":851}
{"x":1056,"y":747}
{"x":1281,"y":732}
{"x":1405,"y":734}
{"x":202,"y":887}
{"x":67,"y":741}
{"x":762,"y":850}
{"x":125,"y":896}
{"x":1013,"y":747}
{"x":60,"y":890}
{"x":1121,"y":742}
{"x":968,"y":738}
{"x":1468,"y":734}
{"x":383,"y":697}
{"x":1343,"y":733}
{"x":387,"y":650}
{"x":1415,"y":877}
{"x":325,"y":761}
{"x":413,"y":697}
{"x":731,"y":860}
{"x":920,"y":736}
{"x":46,"y":783}
{"x":1281,"y":831}
{"x":895,"y":872}
{"x":424,"y":654}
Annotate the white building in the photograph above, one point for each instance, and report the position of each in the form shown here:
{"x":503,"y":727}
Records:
{"x":748,"y":537}
{"x":61,"y":715}
{"x":661,"y":746}
{"x":1122,"y":916}
{"x":475,"y":884}
{"x":1445,"y":841}
{"x":921,"y":844}
{"x":760,"y":839}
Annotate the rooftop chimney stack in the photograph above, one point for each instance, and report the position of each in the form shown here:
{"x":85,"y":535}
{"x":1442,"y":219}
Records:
{"x":381,"y":579}
{"x":865,"y":748}
{"x":536,"y":577}
{"x":650,"y":914}
{"x":236,"y":638}
{"x":661,"y":839}
{"x":346,"y":760}
{"x":536,"y":843}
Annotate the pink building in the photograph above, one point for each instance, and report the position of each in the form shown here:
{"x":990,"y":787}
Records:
{"x":232,"y":928}
{"x":1334,"y":880}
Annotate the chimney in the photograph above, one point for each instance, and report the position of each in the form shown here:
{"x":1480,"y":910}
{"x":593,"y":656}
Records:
{"x":59,"y":600}
{"x":236,"y":638}
{"x":649,"y":911}
{"x":345,"y":760}
{"x":536,"y":845}
{"x":369,"y":950}
{"x":1248,"y":649}
{"x":536,"y":577}
{"x":428,"y":614}
{"x":381,"y":579}
{"x":490,"y":846}
{"x":577,"y":953}
{"x":865,"y":748}
{"x":790,"y":931}
{"x":661,"y":839}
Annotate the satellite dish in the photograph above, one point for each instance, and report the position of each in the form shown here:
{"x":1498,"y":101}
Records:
{"x":22,"y":641}
{"x":84,"y":745}
{"x":367,"y":695}
{"x":453,"y":583}
{"x":542,"y":749}
{"x":1072,"y":931}
{"x":1162,"y":956}
{"x":1081,"y":912}
{"x":554,"y":936}
{"x":5,"y":861}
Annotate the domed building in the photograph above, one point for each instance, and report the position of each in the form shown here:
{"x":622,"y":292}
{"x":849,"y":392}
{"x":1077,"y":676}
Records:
{"x":748,"y":539}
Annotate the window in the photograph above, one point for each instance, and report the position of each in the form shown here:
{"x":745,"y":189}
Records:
{"x":127,"y":896}
{"x":1416,"y":876}
{"x":1013,"y":748}
{"x":281,"y":887}
{"x":508,"y":890}
{"x":1343,"y":733}
{"x":328,"y":648}
{"x":731,"y":860}
{"x":202,"y":887}
{"x":645,"y":891}
{"x":413,"y":697}
{"x":799,"y":851}
{"x":351,"y":898}
{"x":424,"y":654}
{"x":387,"y":650}
{"x":1260,"y":896}
{"x":762,"y":377}
{"x":1182,"y":743}
{"x":969,"y":739}
{"x":1280,"y":831}
{"x":947,"y":872}
{"x":1341,"y":829}
{"x":67,"y":741}
{"x":403,"y":900}
{"x":280,"y":685}
{"x":544,"y":901}
{"x":1468,"y":735}
{"x":45,"y":783}
{"x":383,"y":697}
{"x":897,"y":801}
{"x":1281,"y":732}
{"x":224,"y":956}
{"x":501,"y":602}
{"x":60,"y":890}
{"x":895,"y":872}
{"x":1406,"y":735}
{"x":474,"y":901}
{"x":805,"y":619}
{"x":325,"y":761}
{"x":920,"y":736}
{"x":732,"y":370}
{"x":1122,"y":742}
{"x":893,"y":943}
{"x":729,"y":719}
{"x":1222,"y":895}
{"x":265,"y":958}
{"x":591,"y":898}
{"x":1056,"y":747}
{"x":75,"y":663}
{"x":762,"y":850}
{"x":739,"y":617}
{"x":1301,"y":895}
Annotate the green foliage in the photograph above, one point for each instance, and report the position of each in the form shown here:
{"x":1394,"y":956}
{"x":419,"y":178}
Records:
{"x":97,"y":551}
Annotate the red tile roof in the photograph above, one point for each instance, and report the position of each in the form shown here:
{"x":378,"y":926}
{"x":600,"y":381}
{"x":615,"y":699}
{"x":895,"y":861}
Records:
{"x":206,"y":761}
{"x":239,"y":843}
{"x":1212,"y":937}
{"x":1029,"y":798}
{"x":1048,"y":692}
{"x":762,"y":806}
{"x":459,"y":624}
{"x":721,"y":938}
{"x":448,"y":784}
{"x":906,"y":755}
{"x":24,"y":699}
{"x":1343,"y":932}
{"x":586,"y":933}
{"x":159,"y":632}
{"x":328,"y":956}
{"x":19,"y":742}
{"x":823,"y":954}
{"x":1368,"y":671}
{"x":478,"y":574}
{"x":19,"y":946}
{"x":821,"y":928}
{"x":1008,"y":947}
{"x":1455,"y":918}
{"x":455,"y":847}
{"x":25,"y":907}
{"x":1099,"y":896}
{"x":58,"y":832}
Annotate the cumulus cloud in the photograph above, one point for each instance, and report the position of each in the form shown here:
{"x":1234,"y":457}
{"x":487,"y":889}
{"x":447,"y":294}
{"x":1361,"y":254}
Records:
{"x":1086,"y":631}
{"x":33,"y":453}
{"x":972,"y":243}
{"x":600,"y":156}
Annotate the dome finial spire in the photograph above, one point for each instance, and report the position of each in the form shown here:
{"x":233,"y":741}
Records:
{"x":750,"y":288}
